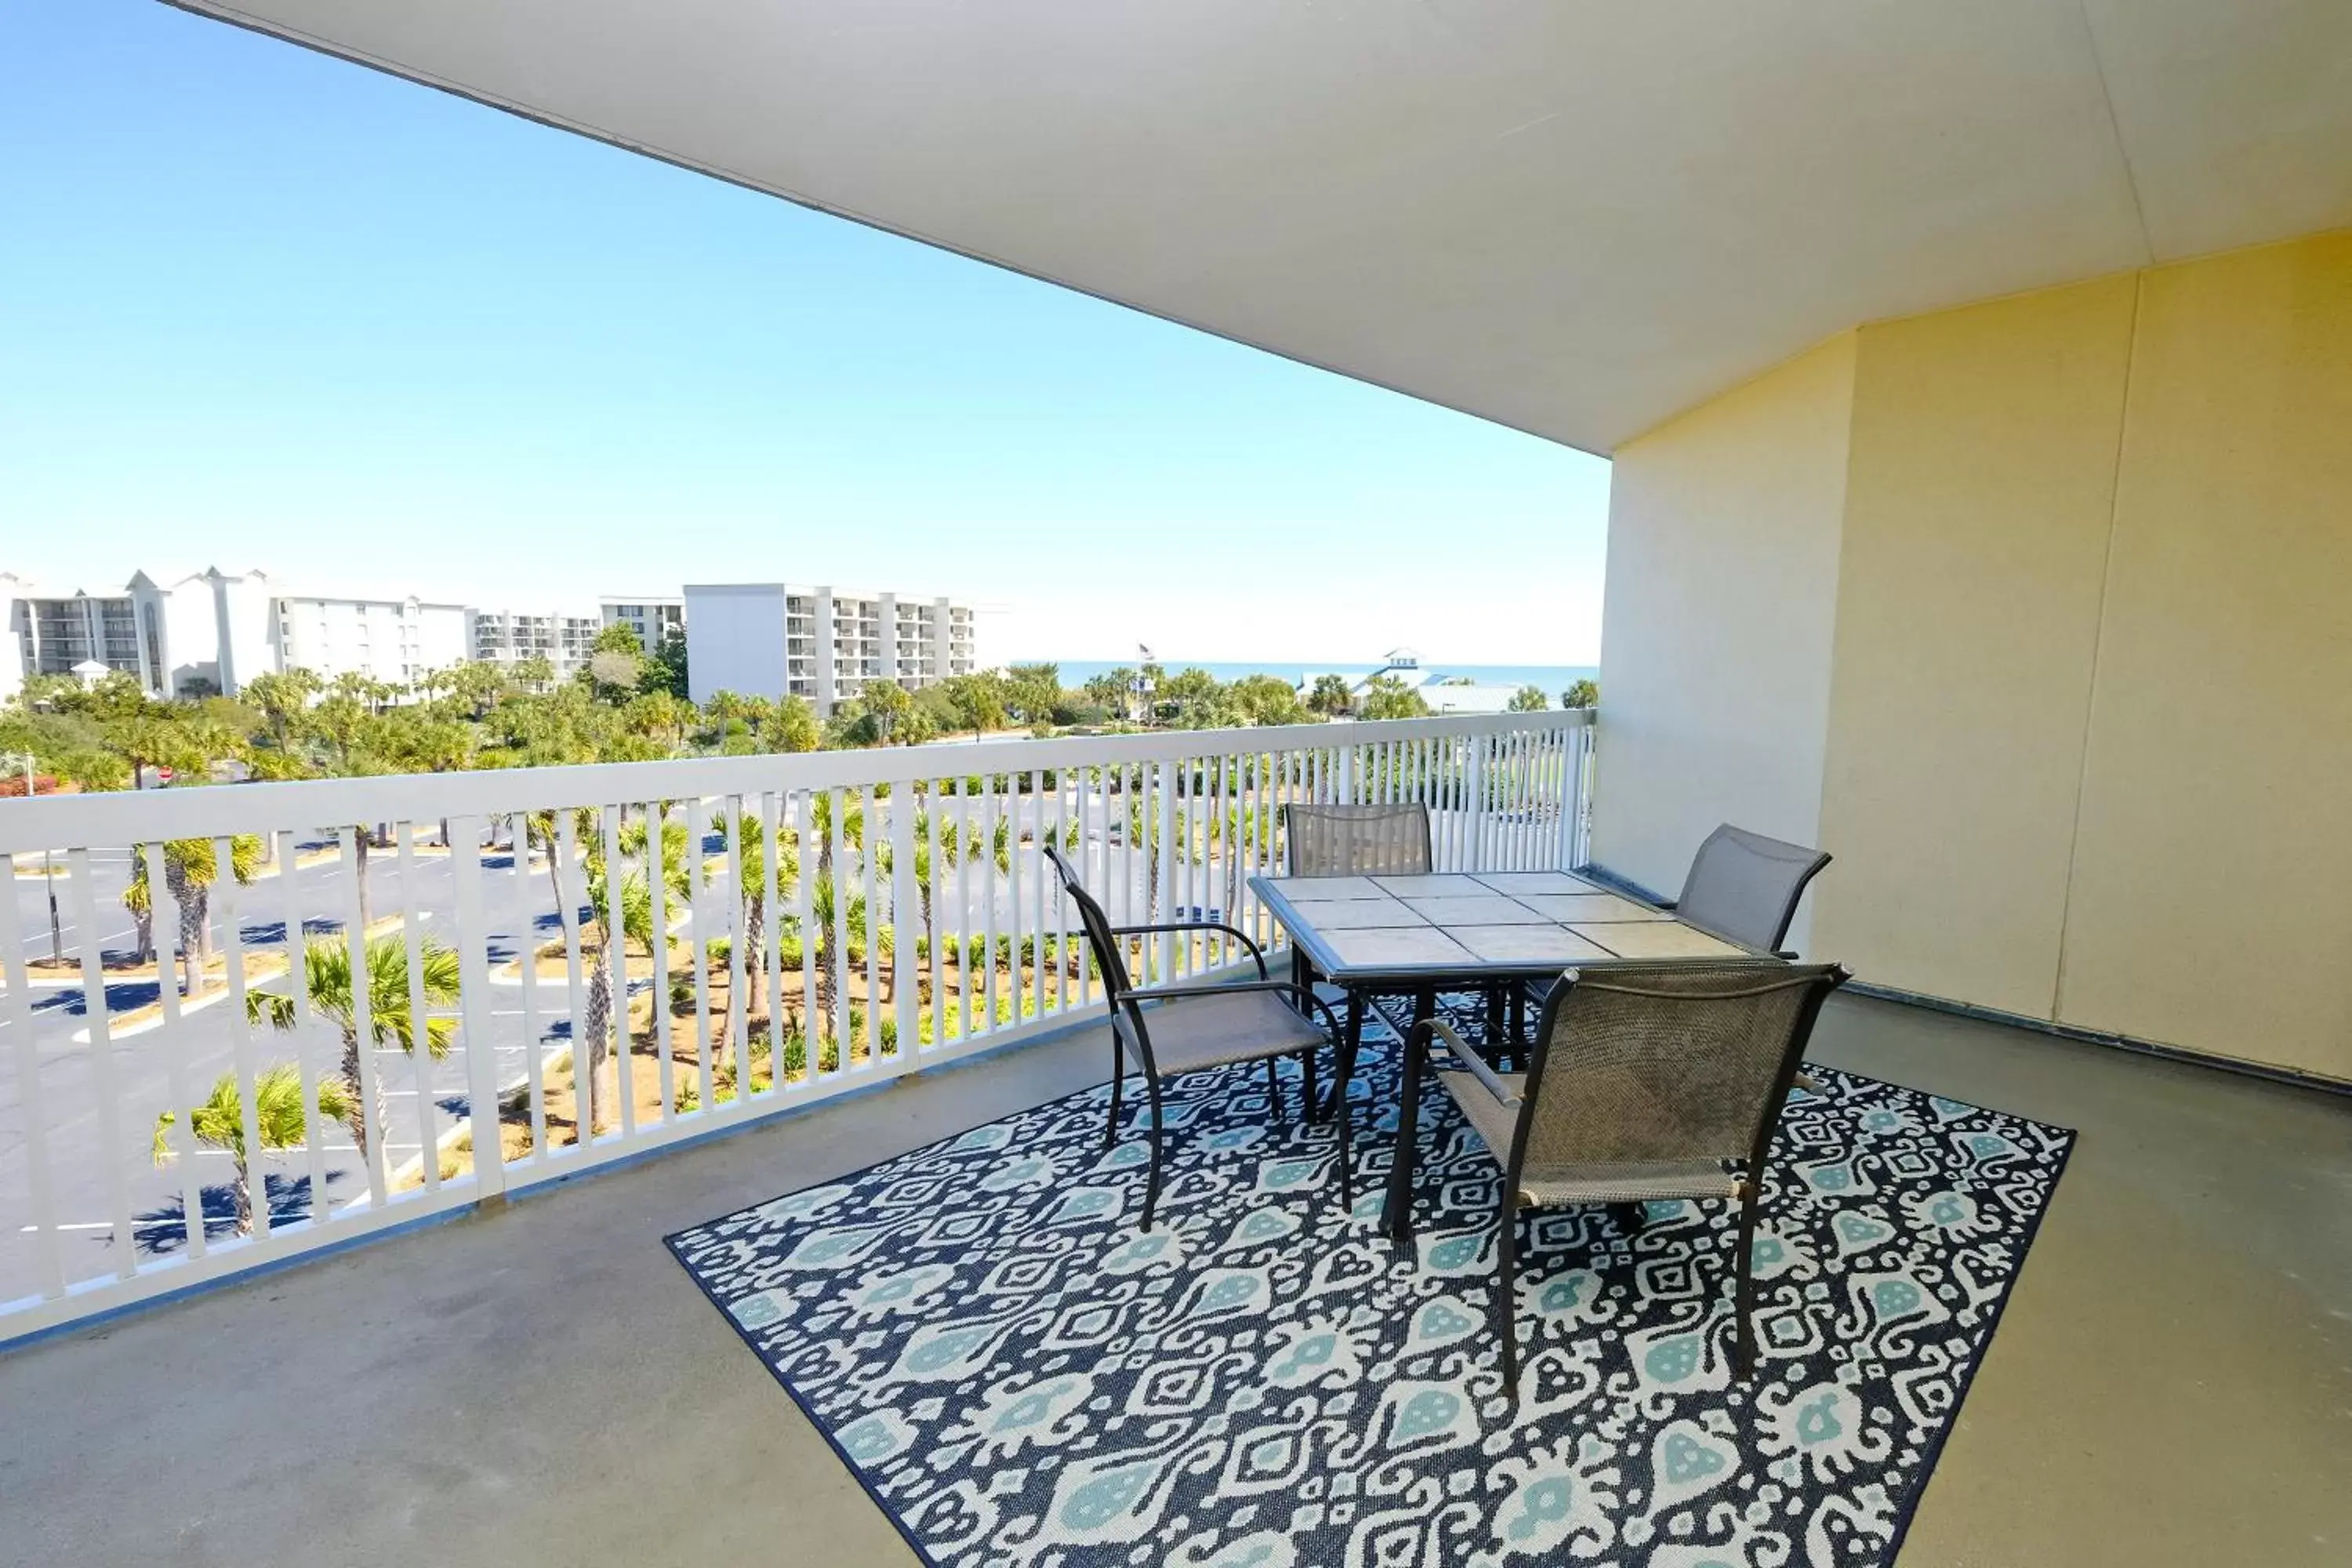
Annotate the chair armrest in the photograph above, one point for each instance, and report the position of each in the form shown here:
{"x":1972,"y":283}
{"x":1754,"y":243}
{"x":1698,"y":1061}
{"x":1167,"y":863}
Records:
{"x":1788,"y":953}
{"x":1469,"y":1059}
{"x":1284,"y":987}
{"x":1236,"y":932}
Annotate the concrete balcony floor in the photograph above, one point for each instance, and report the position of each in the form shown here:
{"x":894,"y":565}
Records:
{"x":2172,"y":1382}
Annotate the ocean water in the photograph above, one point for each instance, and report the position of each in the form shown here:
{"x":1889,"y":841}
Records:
{"x":1553,"y":677}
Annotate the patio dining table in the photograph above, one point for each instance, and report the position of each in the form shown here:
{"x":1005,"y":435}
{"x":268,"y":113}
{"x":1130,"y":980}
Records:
{"x":1418,"y":936}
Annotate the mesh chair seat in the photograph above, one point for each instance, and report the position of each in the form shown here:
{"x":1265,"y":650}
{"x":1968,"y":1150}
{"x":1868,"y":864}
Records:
{"x":1215,"y":1030}
{"x":1599,"y":1182}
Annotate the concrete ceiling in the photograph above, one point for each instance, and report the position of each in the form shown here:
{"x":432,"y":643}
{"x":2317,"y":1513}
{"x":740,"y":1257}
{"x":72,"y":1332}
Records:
{"x":1572,"y":216}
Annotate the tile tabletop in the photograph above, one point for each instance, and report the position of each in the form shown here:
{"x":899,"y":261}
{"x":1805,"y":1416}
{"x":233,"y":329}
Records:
{"x":1358,"y":914}
{"x":1321,"y":890}
{"x":1458,"y":925}
{"x":1446,"y":884}
{"x":1655,"y":939}
{"x":1485,"y":909}
{"x":1525,"y":943}
{"x":1412,"y":946}
{"x":1570,"y":908}
{"x":1517,"y":883}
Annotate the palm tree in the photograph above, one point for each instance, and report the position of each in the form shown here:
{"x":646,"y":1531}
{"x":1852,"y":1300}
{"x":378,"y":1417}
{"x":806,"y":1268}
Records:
{"x":637,"y":922}
{"x":190,"y":867}
{"x":953,"y":851}
{"x":1234,"y":833}
{"x":1143,"y":832}
{"x":751,"y":839}
{"x":326,"y":980}
{"x":1331,"y":696}
{"x":219,"y":1123}
{"x":282,"y":696}
{"x":822,"y":899}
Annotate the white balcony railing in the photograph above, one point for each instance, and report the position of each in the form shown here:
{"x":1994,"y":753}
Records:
{"x":751,"y":982}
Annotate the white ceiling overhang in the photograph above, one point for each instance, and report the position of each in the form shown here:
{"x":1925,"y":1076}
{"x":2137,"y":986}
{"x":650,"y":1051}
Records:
{"x":1573,"y":217}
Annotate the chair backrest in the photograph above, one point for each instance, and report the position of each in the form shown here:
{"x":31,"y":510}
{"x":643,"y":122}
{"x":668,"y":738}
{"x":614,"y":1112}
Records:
{"x":1356,"y":840}
{"x":1745,"y":886}
{"x":1664,"y":1064}
{"x":1109,"y":959}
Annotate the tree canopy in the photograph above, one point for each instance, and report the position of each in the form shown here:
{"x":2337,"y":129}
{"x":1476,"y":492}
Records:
{"x":621,"y":706}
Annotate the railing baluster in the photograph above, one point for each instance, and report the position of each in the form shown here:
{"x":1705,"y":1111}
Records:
{"x":738,"y":969}
{"x":526,"y":913}
{"x":906,"y":992}
{"x":584,"y":1071}
{"x":1166,"y":860}
{"x":473,"y":943}
{"x":163,"y":920}
{"x":1014,"y":927}
{"x":40,"y":1181}
{"x":101,"y":1057}
{"x":420,"y":1053}
{"x":657,"y":899}
{"x":868,"y":838}
{"x":297,"y":988}
{"x":837,"y":959}
{"x":224,"y":888}
{"x":1531,"y":747}
{"x":698,"y":947}
{"x":936,"y":963}
{"x":804,"y":899}
{"x":615,"y":959}
{"x":772,"y":933}
{"x":989,"y":819}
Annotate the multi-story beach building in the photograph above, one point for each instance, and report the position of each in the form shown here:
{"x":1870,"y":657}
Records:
{"x":774,"y":639}
{"x":509,"y":637}
{"x":651,"y":619}
{"x":185,"y":636}
{"x":391,"y":640}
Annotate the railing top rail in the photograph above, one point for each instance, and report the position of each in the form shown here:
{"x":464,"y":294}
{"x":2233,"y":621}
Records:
{"x":129,"y":817}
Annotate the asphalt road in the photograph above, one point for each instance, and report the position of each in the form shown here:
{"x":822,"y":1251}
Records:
{"x":85,"y":1153}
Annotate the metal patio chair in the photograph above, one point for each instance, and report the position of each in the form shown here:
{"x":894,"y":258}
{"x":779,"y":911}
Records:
{"x":1743,"y":886}
{"x":1656,"y":1083}
{"x":1746,"y":887}
{"x":1173,"y":1030}
{"x":1356,"y":840}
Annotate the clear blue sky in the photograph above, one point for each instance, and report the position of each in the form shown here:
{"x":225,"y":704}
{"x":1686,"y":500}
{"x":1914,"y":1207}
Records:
{"x":260,"y":308}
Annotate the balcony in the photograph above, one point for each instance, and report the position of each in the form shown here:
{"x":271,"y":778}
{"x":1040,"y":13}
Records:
{"x":1990,"y":533}
{"x":487,"y":1356}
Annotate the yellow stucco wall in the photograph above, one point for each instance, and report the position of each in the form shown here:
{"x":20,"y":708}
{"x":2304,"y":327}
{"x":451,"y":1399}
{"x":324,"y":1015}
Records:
{"x":1719,"y":608}
{"x":1978,"y":505}
{"x":2213,"y":885}
{"x":2086,"y":746}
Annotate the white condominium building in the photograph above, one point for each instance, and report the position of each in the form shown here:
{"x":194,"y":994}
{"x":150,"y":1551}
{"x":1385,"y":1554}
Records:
{"x":191,"y":636}
{"x":651,"y":619}
{"x":391,"y":640}
{"x":509,"y":637}
{"x":772,"y":639}
{"x":210,"y":631}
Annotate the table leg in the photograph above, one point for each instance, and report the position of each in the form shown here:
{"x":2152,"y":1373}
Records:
{"x":1352,"y":1046}
{"x":1396,"y":1215}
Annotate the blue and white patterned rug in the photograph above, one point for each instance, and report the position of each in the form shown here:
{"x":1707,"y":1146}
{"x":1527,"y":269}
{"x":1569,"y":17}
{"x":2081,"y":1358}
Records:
{"x":1019,"y":1378}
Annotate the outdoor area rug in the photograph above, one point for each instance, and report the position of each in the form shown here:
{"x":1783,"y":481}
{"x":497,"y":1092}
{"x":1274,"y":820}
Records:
{"x":1019,"y":1377}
